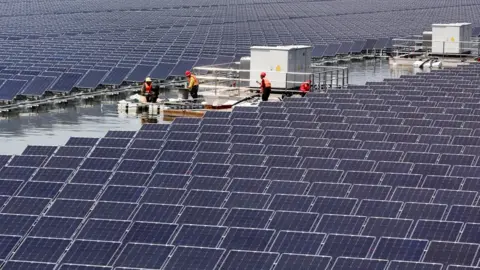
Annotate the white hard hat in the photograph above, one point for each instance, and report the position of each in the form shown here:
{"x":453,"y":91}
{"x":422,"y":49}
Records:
{"x":148,"y":79}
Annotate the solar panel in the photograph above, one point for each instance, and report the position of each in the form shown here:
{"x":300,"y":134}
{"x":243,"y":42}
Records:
{"x":66,"y":82}
{"x":139,"y":166}
{"x":408,"y":194}
{"x":201,"y":215}
{"x":464,"y":213}
{"x":205,"y":198}
{"x":64,"y":162}
{"x":16,"y":173}
{"x":92,"y":79}
{"x":375,"y":192}
{"x":25,"y":206}
{"x":129,"y":179}
{"x":337,"y":245}
{"x":249,"y":260}
{"x":72,"y":151}
{"x":194,"y":258}
{"x":90,"y":252}
{"x":308,"y":262}
{"x":11,"y":224}
{"x":246,"y":171}
{"x":52,"y":175}
{"x":41,"y":249}
{"x":390,"y":248}
{"x":91,"y":177}
{"x":249,"y":218}
{"x":37,"y":150}
{"x":107,"y":152}
{"x":56,"y":227}
{"x":451,"y":253}
{"x":389,"y":227}
{"x":28,"y":265}
{"x":294,"y":221}
{"x":199,"y":235}
{"x":291,"y":202}
{"x":40,"y":189}
{"x":340,"y":224}
{"x":10,"y":88}
{"x":345,"y":263}
{"x":69,"y":208}
{"x":287,"y":187}
{"x":247,"y":200}
{"x":247,"y":239}
{"x":379,"y":208}
{"x":71,"y":266}
{"x":143,"y":255}
{"x":113,"y":210}
{"x":103,"y":230}
{"x":163,"y":195}
{"x":402,"y":265}
{"x":38,"y":86}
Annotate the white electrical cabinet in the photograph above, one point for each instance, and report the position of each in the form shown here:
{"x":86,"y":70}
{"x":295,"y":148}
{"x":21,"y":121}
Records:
{"x":286,"y":66}
{"x":452,"y":38}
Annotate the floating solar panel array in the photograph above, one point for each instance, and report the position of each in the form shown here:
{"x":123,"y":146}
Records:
{"x":60,"y":45}
{"x":379,"y":176}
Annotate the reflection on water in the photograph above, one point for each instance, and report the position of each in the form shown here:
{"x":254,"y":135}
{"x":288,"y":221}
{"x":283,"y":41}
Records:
{"x":57,"y":126}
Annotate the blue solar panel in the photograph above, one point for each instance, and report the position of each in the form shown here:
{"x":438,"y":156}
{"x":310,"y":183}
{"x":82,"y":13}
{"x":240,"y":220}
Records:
{"x":38,"y":86}
{"x":451,"y":253}
{"x":344,"y":263}
{"x":92,"y":79}
{"x":103,"y":230}
{"x":41,"y":249}
{"x":399,"y":249}
{"x":66,"y":82}
{"x":247,"y":239}
{"x":249,"y":218}
{"x":69,"y":208}
{"x":340,"y":224}
{"x":194,"y":258}
{"x":14,"y":265}
{"x":199,"y":235}
{"x":71,"y":266}
{"x":337,"y":245}
{"x":143,"y":256}
{"x":56,"y":227}
{"x":10,"y":88}
{"x":154,"y":233}
{"x":90,"y":252}
{"x":249,"y":260}
{"x":116,"y":76}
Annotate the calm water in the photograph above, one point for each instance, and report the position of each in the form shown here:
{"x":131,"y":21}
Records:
{"x":57,"y":126}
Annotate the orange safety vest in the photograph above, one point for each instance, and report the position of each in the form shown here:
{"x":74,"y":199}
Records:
{"x":148,"y":88}
{"x":265,"y":84}
{"x":193,"y":81}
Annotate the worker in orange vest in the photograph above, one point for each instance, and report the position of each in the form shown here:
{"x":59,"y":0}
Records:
{"x":149,"y":91}
{"x":192,"y":84}
{"x":305,"y":87}
{"x":265,"y":86}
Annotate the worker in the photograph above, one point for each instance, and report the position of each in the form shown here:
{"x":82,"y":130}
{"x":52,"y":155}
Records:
{"x":149,"y":91}
{"x":305,"y":87}
{"x":265,"y":86}
{"x":192,"y":84}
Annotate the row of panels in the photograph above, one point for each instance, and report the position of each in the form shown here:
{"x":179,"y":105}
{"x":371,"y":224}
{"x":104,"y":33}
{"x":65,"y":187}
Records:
{"x":154,"y":256}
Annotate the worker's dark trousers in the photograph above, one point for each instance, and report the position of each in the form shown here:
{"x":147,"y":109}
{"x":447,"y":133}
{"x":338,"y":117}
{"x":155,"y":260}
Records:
{"x":194,"y":92}
{"x":151,"y":98}
{"x":303,"y":94}
{"x":266,"y":93}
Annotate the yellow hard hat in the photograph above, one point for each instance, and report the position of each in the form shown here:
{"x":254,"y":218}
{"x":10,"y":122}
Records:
{"x":148,"y":79}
